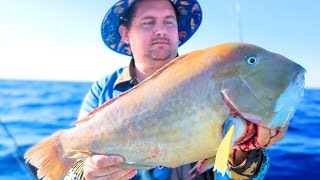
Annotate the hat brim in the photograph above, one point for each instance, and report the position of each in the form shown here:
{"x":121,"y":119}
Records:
{"x":190,"y":18}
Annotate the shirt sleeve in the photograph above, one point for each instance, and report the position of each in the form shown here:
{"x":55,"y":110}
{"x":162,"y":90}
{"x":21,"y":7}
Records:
{"x":254,"y":167}
{"x":76,"y":172}
{"x":91,"y":100}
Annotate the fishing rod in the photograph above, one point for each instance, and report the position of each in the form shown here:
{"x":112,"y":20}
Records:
{"x":238,"y":20}
{"x":18,"y":154}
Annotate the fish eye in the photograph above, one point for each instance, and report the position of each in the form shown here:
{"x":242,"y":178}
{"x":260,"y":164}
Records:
{"x":251,"y":60}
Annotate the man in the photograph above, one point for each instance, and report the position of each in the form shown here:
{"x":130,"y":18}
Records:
{"x":151,"y":31}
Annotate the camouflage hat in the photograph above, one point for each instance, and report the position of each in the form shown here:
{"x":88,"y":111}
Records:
{"x":190,"y":17}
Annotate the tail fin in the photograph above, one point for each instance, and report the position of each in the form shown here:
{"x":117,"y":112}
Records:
{"x":50,"y":159}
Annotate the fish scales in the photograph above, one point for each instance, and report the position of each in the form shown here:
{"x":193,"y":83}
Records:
{"x":151,"y":121}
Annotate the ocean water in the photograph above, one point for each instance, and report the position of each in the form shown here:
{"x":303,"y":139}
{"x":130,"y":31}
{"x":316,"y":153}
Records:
{"x":33,"y":110}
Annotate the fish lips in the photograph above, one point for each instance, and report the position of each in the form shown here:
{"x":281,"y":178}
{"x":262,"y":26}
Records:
{"x":251,"y":131}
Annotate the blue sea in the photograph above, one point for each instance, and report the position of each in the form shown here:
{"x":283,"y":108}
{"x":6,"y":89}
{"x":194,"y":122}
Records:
{"x":32,"y":110}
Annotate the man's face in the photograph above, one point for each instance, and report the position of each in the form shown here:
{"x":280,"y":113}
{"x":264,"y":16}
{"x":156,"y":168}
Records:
{"x":153,"y":33}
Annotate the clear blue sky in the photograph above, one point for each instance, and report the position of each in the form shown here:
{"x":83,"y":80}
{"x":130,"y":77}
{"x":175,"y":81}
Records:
{"x":60,"y":39}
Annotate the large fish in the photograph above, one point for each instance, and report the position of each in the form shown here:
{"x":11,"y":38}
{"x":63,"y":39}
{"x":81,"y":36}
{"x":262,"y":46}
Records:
{"x":180,"y":114}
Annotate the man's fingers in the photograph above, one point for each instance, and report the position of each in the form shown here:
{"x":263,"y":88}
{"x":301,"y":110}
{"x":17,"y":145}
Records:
{"x":90,"y":173}
{"x":128,"y":175}
{"x":260,"y":140}
{"x":99,"y":165}
{"x":264,"y":138}
{"x":100,"y":161}
{"x":124,"y":174}
{"x":276,"y":135}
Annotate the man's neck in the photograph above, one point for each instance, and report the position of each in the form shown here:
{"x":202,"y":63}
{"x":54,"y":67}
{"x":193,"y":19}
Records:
{"x":145,"y":69}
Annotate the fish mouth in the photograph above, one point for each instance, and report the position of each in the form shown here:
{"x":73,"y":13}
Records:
{"x":283,"y":111}
{"x":251,"y":128}
{"x":287,"y":104}
{"x":251,"y":131}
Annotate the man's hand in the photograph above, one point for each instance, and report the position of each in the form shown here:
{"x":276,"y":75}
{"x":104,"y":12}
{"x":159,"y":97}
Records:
{"x":104,"y":167}
{"x":264,"y":138}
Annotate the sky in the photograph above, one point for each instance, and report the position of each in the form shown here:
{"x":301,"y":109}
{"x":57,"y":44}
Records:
{"x":61,"y":40}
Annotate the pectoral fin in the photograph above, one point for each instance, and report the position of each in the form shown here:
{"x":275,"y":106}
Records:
{"x":223,"y":152}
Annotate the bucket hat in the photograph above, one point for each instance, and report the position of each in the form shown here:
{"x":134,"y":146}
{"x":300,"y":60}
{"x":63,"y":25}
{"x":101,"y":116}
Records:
{"x":189,"y":20}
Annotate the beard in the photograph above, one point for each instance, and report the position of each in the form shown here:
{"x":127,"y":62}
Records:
{"x":161,"y":54}
{"x":162,"y":50}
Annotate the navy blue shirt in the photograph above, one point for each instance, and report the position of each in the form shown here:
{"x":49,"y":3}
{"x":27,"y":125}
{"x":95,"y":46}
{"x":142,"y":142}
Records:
{"x":109,"y":87}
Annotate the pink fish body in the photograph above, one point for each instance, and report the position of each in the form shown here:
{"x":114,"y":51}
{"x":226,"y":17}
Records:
{"x":177,"y":116}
